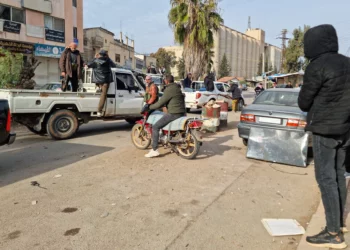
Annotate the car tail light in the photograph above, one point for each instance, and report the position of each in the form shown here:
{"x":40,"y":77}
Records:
{"x":198,"y":95}
{"x":247,"y":118}
{"x":195,"y":124}
{"x":8,"y":122}
{"x":295,"y":123}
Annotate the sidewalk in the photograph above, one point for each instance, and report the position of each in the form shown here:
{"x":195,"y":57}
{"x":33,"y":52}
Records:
{"x":318,"y":222}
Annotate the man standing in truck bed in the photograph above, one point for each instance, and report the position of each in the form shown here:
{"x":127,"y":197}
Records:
{"x":71,"y":64}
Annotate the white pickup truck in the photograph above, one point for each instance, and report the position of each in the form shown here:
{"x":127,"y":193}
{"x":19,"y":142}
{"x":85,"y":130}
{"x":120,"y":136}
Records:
{"x":198,"y":96}
{"x":59,"y":114}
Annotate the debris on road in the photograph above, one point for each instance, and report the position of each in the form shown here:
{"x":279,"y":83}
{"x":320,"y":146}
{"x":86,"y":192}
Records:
{"x":34,"y":202}
{"x":36,"y":184}
{"x":283,"y":227}
{"x":58,"y":176}
{"x":104,"y":215}
{"x":82,"y":156}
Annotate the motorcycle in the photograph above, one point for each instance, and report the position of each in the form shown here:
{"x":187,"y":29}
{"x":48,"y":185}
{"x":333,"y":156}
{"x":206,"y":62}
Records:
{"x":181,"y":135}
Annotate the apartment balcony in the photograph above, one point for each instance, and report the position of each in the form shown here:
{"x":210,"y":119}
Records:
{"x":97,"y":42}
{"x":38,"y":5}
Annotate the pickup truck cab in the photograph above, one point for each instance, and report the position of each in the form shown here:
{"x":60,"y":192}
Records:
{"x":6,"y":137}
{"x":59,"y":114}
{"x":198,"y":96}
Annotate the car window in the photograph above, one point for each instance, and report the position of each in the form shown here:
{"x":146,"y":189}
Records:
{"x":227,"y":87}
{"x":278,"y":98}
{"x":157,"y":80}
{"x":198,"y":86}
{"x":124,"y":81}
{"x":220,"y":87}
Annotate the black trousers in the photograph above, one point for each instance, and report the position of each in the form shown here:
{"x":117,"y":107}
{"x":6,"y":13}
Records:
{"x":74,"y":81}
{"x":330,"y":157}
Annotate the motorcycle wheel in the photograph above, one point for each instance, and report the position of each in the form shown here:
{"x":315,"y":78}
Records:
{"x":190,"y":148}
{"x":139,"y":137}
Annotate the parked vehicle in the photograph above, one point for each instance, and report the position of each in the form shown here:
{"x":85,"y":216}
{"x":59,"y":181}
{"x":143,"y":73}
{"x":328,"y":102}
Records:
{"x":158,"y":80}
{"x":180,"y":136}
{"x":59,"y":114}
{"x":273,"y":108}
{"x":244,"y":87}
{"x":52,"y":86}
{"x":6,"y":137}
{"x":198,"y":96}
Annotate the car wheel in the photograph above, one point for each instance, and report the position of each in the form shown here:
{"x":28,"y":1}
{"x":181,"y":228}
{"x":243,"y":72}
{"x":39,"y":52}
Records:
{"x":62,"y":124}
{"x":188,"y":110}
{"x":245,"y":142}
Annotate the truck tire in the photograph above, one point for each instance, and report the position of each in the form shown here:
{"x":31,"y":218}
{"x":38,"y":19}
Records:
{"x":62,"y":124}
{"x":188,"y":110}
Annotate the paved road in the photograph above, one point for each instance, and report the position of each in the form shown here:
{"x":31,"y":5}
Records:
{"x":108,"y":196}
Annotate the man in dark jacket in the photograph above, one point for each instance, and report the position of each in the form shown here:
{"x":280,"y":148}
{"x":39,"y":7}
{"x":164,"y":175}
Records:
{"x":174,"y":101}
{"x":188,"y":81}
{"x":71,"y":65}
{"x":325,"y":95}
{"x":209,"y":82}
{"x":236,"y":95}
{"x":102,"y":76}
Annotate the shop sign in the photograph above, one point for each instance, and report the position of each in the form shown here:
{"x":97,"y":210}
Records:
{"x":12,"y":27}
{"x":45,"y":50}
{"x":17,"y":47}
{"x":54,"y":35}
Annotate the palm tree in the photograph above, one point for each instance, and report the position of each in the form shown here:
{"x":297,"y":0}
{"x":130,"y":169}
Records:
{"x":194,"y":22}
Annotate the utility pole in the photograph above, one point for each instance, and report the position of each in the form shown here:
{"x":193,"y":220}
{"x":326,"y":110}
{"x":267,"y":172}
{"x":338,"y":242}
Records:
{"x":284,"y":38}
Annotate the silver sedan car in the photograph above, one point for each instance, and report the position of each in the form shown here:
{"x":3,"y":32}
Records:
{"x":273,"y":108}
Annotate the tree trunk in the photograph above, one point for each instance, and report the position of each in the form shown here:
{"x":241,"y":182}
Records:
{"x":195,"y":61}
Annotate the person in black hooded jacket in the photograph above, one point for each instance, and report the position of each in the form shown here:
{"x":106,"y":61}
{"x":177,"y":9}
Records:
{"x":102,"y":76}
{"x":209,"y":82}
{"x":325,"y":95}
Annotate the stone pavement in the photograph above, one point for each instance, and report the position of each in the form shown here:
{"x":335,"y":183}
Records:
{"x":318,"y":222}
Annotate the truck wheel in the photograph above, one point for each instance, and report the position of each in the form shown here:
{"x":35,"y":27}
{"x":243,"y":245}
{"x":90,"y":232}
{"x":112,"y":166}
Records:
{"x":188,"y":110}
{"x":245,"y":142}
{"x":240,"y":105}
{"x":62,"y":124}
{"x":42,"y":132}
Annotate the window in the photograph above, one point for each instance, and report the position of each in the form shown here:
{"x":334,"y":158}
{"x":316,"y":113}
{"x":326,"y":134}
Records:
{"x":125,"y":81}
{"x":220,"y":87}
{"x":53,"y":23}
{"x":12,"y":14}
{"x":105,"y":40}
{"x":74,"y":3}
{"x":85,"y":41}
{"x":117,"y":58}
{"x":75,"y":32}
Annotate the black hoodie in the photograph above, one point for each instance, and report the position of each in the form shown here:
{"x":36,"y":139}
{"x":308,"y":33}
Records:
{"x":102,"y":70}
{"x":325,"y":94}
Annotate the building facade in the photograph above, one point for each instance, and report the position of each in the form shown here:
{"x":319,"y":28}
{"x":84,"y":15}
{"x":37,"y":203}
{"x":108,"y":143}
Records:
{"x":242,"y":51}
{"x":178,"y":51}
{"x":41,"y":29}
{"x":121,"y":50}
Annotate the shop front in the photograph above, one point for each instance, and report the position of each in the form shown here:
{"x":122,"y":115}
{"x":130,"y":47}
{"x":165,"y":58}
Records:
{"x":48,"y":70}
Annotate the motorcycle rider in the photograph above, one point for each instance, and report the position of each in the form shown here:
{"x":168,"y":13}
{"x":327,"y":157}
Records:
{"x":151,"y":95}
{"x":174,"y":101}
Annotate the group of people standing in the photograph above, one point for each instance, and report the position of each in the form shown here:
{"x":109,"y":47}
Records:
{"x":151,"y":69}
{"x":71,"y":64}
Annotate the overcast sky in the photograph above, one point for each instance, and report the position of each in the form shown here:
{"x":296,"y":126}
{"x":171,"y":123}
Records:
{"x":147,"y":23}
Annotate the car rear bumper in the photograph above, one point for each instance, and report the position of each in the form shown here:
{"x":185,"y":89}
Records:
{"x":244,"y":131}
{"x":192,"y":106}
{"x":11,"y":139}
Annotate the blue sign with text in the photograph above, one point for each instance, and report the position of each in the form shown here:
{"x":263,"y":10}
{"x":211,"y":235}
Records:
{"x":45,"y":50}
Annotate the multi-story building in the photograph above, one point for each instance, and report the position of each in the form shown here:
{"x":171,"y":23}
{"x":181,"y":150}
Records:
{"x":42,"y":29}
{"x":119,"y":50}
{"x":242,"y":51}
{"x":146,"y":61}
